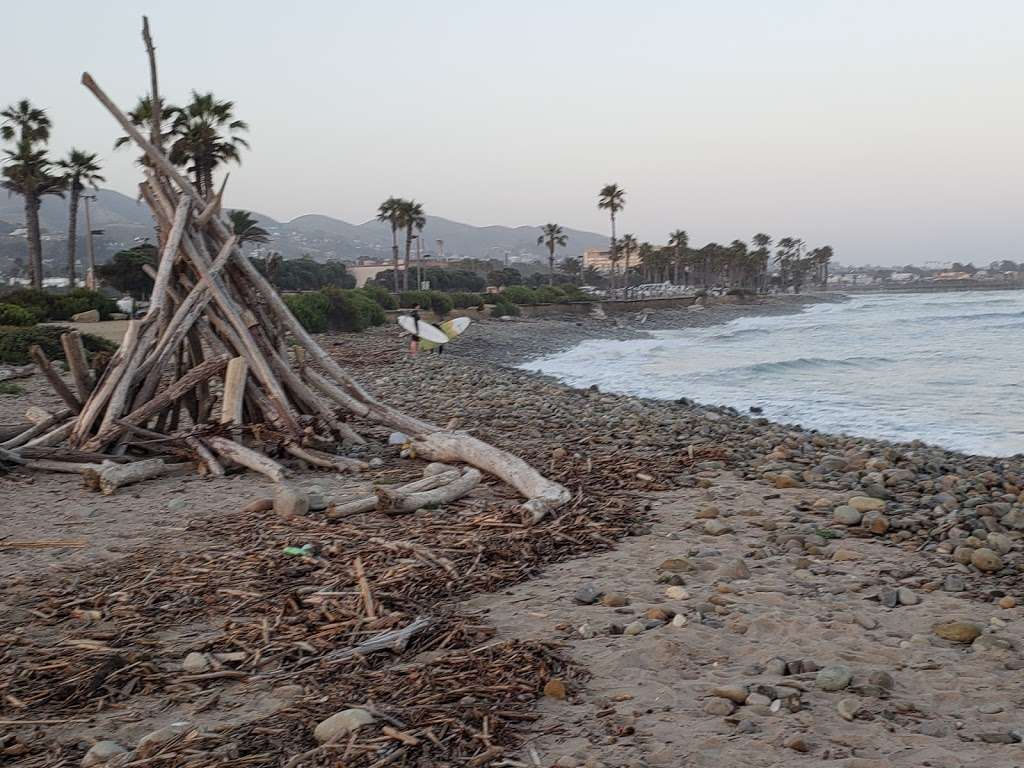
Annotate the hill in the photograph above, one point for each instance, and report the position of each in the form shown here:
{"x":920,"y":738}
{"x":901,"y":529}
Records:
{"x":124,"y":220}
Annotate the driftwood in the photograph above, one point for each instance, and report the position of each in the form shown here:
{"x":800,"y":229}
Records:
{"x":78,"y":363}
{"x":430,"y":491}
{"x":215,"y":328}
{"x":109,"y":477}
{"x":395,"y":641}
{"x":37,"y":354}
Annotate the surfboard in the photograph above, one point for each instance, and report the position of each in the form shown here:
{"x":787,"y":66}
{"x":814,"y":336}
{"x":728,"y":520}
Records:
{"x":451,"y":328}
{"x":425,"y":331}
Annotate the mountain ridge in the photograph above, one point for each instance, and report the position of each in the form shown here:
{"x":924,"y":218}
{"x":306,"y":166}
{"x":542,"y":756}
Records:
{"x":125,"y":220}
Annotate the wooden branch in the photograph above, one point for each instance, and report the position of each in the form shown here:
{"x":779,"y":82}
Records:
{"x":421,"y":552}
{"x":105,"y":386}
{"x":400,"y":502}
{"x":408,"y":494}
{"x":37,"y":429}
{"x":78,"y":363}
{"x":184,"y":385}
{"x":206,"y":456}
{"x":169,"y":254}
{"x":247,"y":457}
{"x":155,"y":132}
{"x":109,"y":477}
{"x":358,"y":506}
{"x":364,"y":588}
{"x":395,"y":640}
{"x":53,"y":437}
{"x":37,"y":354}
{"x":234,"y":392}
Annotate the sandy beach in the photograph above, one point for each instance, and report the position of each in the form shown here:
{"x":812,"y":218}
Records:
{"x":722,"y":591}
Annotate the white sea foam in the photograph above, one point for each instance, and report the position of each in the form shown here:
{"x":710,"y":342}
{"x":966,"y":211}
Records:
{"x":944,"y":368}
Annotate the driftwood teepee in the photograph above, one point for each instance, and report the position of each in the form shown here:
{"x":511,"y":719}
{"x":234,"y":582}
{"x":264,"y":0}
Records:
{"x":220,"y":368}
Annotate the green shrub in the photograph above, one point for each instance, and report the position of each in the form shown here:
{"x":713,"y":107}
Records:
{"x":351,"y":310}
{"x":381,"y":295}
{"x":10,"y":388}
{"x":80,"y":300}
{"x":504,"y":308}
{"x":573,"y":293}
{"x":549,"y":294}
{"x":409,"y":299}
{"x":14,"y":343}
{"x":310,"y":309}
{"x":465,"y":300}
{"x":518,"y":294}
{"x":30,"y":298}
{"x":12,"y":314}
{"x":440,"y":303}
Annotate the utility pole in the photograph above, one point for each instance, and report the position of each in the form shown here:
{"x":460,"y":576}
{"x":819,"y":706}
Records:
{"x":440,"y":250}
{"x":90,"y":270}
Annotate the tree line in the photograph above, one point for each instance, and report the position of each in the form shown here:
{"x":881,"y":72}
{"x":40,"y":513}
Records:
{"x":201,"y":136}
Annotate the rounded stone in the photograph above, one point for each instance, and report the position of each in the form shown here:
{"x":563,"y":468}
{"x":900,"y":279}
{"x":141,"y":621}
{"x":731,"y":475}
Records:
{"x":833,"y":678}
{"x":986,"y":560}
{"x":100,"y":752}
{"x":846,"y":515}
{"x":1007,"y":602}
{"x":341,"y":724}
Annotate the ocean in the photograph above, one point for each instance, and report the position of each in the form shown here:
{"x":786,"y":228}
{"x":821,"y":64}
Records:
{"x":945,"y":368}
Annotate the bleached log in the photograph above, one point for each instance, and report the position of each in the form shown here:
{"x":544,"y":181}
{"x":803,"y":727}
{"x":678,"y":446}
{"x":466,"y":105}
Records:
{"x":542,"y":494}
{"x":358,"y":506}
{"x":394,"y":640}
{"x":247,"y":457}
{"x":318,"y":459}
{"x":38,"y":415}
{"x":53,"y":437}
{"x":369,"y":503}
{"x":37,"y":354}
{"x":234,"y":391}
{"x":206,"y":456}
{"x":78,"y":364}
{"x":105,"y":386}
{"x":168,"y":255}
{"x":110,"y":477}
{"x":400,"y":501}
{"x":38,"y":428}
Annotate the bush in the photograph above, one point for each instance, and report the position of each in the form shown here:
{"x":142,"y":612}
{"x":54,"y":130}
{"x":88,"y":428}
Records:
{"x":409,"y":299}
{"x":12,"y":314}
{"x":14,"y":343}
{"x":351,"y":310}
{"x":310,"y":309}
{"x":440,"y":303}
{"x":504,"y":308}
{"x":60,"y":306}
{"x":381,"y":295}
{"x":465,"y":300}
{"x":518,"y":294}
{"x":549,"y":294}
{"x":573,"y":293}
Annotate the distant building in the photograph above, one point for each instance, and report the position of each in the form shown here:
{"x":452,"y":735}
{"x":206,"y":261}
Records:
{"x":597,"y":258}
{"x":953,"y":276}
{"x":902,"y":277}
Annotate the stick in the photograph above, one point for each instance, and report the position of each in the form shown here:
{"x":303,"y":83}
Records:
{"x":364,"y":588}
{"x":74,"y":352}
{"x":110,"y":477}
{"x":205,"y":456}
{"x":247,"y":457}
{"x":234,"y":392}
{"x":396,"y":503}
{"x":395,"y":640}
{"x":37,"y":429}
{"x":54,"y":378}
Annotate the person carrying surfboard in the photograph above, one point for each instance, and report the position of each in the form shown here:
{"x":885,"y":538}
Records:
{"x":414,"y":344}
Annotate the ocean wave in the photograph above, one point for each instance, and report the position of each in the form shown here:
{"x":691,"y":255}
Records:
{"x":741,"y":334}
{"x":808,"y":363}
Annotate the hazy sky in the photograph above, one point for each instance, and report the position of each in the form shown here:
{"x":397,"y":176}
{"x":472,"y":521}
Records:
{"x":891,"y":129}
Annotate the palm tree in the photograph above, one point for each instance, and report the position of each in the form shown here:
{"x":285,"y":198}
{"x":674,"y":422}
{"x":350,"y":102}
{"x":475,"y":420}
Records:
{"x":762,"y":255}
{"x":390,"y":212}
{"x":412,"y":217}
{"x":80,"y":169}
{"x":612,"y":198}
{"x":573,"y":267}
{"x":628,"y":244}
{"x":825,"y":255}
{"x":142,"y":117}
{"x":244,"y":225}
{"x":678,"y":240}
{"x":28,"y":172}
{"x":204,"y":137}
{"x":648,"y":258}
{"x":552,"y":236}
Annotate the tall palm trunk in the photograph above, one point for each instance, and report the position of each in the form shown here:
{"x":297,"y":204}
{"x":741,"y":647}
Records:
{"x":551,"y":262}
{"x":35,"y":244}
{"x":625,"y":276}
{"x":72,"y":232}
{"x":208,"y":180}
{"x":394,"y":253}
{"x":675,"y":268}
{"x":408,"y":250}
{"x":611,"y":273}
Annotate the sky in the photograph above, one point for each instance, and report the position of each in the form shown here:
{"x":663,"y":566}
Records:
{"x":889,"y":130}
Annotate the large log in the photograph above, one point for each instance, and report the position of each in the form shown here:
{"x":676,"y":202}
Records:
{"x":247,"y":457}
{"x":37,"y":354}
{"x":108,"y":478}
{"x":78,"y":363}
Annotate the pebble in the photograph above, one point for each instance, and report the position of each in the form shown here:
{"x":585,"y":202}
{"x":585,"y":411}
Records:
{"x":614,"y":600}
{"x":676,"y":565}
{"x":933,"y":728}
{"x":634,"y":628}
{"x":707,"y":513}
{"x":990,"y":708}
{"x":986,"y":560}
{"x":833,"y":678}
{"x":679,"y":620}
{"x":195,"y":663}
{"x":954,"y":583}
{"x":290,"y":502}
{"x":888,"y":597}
{"x":317,"y":499}
{"x":875,"y":522}
{"x":734,"y":570}
{"x":555,"y":689}
{"x":846,"y":515}
{"x":907,"y":596}
{"x":341,"y":724}
{"x":722,"y":707}
{"x":1007,"y":602}
{"x":848,"y":708}
{"x":735,"y":693}
{"x":174,"y":505}
{"x":797,"y":743}
{"x":101,"y":752}
{"x":587,"y":594}
{"x":746,"y":726}
{"x":842,"y":554}
{"x":677,"y":593}
{"x":958,"y":631}
{"x":776,"y":666}
{"x":865,"y":621}
{"x":716,"y":528}
{"x":881,"y":679}
{"x":864,"y":504}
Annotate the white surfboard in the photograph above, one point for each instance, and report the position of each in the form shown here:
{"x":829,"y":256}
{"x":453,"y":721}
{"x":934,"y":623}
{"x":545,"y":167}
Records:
{"x":425,"y":331}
